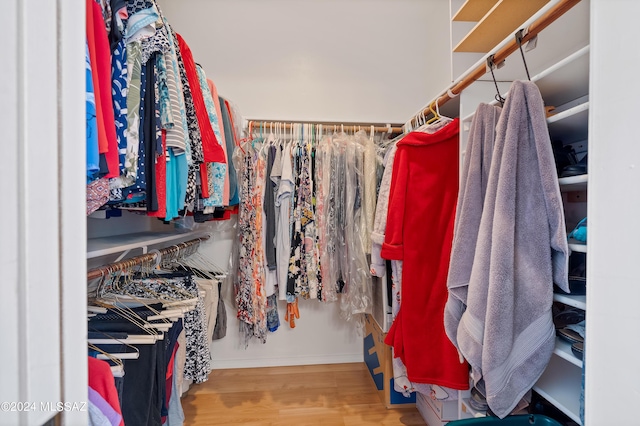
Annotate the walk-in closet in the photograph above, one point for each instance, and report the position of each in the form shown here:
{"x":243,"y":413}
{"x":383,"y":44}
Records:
{"x":331,"y":212}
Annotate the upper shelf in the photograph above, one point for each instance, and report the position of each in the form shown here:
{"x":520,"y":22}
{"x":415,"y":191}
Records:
{"x":103,"y":246}
{"x":474,"y":10}
{"x":570,"y":125}
{"x":501,"y":20}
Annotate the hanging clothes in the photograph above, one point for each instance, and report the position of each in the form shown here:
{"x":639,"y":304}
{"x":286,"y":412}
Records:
{"x":222,"y":139}
{"x":250,"y":295}
{"x":216,"y":172}
{"x":99,"y":53}
{"x":101,"y":381}
{"x":309,"y":236}
{"x":419,"y":232}
{"x":213,"y":153}
{"x":92,"y":148}
{"x":231,"y":142}
{"x":283,"y":175}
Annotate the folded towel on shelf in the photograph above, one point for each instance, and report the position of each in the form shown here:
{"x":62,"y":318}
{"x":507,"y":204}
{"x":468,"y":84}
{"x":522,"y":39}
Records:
{"x":507,"y":333}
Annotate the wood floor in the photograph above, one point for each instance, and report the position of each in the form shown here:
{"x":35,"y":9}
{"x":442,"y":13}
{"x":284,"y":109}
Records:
{"x":333,"y":395}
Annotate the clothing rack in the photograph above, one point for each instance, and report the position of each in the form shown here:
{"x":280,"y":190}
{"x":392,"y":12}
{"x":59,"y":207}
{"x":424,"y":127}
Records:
{"x":471,"y":76}
{"x":150,"y":257}
{"x":349,"y":127}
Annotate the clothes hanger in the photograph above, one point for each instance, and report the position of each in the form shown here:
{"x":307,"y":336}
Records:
{"x":122,"y":301}
{"x":440,"y":121}
{"x":119,"y":355}
{"x":166,"y":300}
{"x":120,"y":308}
{"x":118,"y":368}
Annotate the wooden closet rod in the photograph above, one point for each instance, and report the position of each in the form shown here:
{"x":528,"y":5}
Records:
{"x":255,"y":125}
{"x":536,"y":27}
{"x":138,"y":260}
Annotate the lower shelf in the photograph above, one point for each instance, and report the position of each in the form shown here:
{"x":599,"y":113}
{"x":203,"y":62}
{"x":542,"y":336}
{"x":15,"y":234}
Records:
{"x":560,"y":384}
{"x":467,"y":411}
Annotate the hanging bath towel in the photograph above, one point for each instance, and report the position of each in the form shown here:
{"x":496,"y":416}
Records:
{"x":506,"y":332}
{"x":473,"y":186}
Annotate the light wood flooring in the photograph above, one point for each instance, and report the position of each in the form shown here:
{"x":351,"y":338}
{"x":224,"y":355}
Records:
{"x":332,"y":394}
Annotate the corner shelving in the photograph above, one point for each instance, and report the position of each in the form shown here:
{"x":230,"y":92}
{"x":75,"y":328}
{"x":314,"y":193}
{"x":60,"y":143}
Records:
{"x":560,"y":67}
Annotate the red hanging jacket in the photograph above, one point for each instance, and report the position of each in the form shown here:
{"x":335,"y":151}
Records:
{"x":420,"y":218}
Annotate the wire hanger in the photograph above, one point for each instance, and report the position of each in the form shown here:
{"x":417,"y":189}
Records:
{"x":491,"y":65}
{"x":437,"y":122}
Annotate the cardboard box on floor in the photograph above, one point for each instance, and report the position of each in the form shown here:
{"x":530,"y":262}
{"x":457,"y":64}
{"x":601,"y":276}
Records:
{"x":377,"y":356}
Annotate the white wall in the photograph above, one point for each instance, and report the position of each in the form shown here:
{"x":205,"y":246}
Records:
{"x":43,"y":357}
{"x":612,"y":379}
{"x":320,"y":60}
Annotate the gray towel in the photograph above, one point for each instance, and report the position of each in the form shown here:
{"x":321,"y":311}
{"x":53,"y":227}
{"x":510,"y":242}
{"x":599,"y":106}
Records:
{"x":473,"y":186}
{"x":507,"y":333}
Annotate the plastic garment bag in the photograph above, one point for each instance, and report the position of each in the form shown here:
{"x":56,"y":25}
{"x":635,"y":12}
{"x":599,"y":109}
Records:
{"x":357,"y":294}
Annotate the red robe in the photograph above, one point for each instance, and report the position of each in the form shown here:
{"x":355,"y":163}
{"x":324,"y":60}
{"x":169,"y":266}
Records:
{"x":422,"y":204}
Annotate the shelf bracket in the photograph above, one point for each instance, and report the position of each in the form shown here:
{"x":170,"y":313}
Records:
{"x":122,"y":255}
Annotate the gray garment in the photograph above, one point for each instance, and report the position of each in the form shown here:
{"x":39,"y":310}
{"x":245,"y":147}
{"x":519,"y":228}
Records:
{"x":283,"y":237}
{"x":378,"y":267}
{"x":220,"y":329}
{"x":473,"y":186}
{"x":269,"y":208}
{"x":211,"y":297}
{"x":507,"y":333}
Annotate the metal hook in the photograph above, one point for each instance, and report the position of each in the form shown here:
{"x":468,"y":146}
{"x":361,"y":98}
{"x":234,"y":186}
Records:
{"x":491,"y":64}
{"x":519,"y":36}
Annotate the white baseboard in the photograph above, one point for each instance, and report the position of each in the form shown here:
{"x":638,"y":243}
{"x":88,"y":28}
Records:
{"x":222,"y":364}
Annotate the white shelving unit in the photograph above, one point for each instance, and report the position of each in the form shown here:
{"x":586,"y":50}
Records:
{"x":560,"y":66}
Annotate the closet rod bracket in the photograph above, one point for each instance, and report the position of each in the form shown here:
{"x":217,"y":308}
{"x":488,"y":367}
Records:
{"x":122,"y":255}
